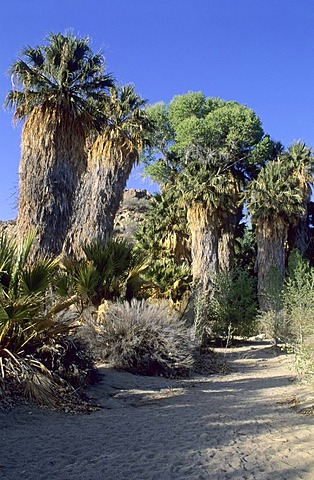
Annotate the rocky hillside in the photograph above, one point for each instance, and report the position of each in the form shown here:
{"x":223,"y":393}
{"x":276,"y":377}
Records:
{"x":131,"y":213}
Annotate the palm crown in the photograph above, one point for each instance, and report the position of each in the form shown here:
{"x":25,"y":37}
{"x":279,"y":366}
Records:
{"x":282,"y":187}
{"x":125,"y":125}
{"x":64,"y":74}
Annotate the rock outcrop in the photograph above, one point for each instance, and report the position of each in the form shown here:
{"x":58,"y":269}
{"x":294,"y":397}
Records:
{"x":131,"y":214}
{"x":132,"y":211}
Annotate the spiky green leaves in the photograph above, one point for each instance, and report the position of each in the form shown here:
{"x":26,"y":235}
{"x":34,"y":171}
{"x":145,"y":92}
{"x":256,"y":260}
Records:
{"x":126,"y":126}
{"x":63,"y":74}
{"x":282,"y":187}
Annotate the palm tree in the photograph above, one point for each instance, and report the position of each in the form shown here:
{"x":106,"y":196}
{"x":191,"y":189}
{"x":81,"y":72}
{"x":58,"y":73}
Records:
{"x":56,"y":88}
{"x":164,"y":232}
{"x":216,"y":146}
{"x":209,"y":198}
{"x":110,"y":161}
{"x":275,"y":200}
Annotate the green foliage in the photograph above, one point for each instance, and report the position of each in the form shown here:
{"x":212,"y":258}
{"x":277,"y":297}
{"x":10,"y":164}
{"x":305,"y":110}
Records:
{"x":246,"y":249}
{"x":169,"y":281}
{"x":233,"y":308}
{"x":126,"y":127}
{"x":23,"y":290}
{"x":111,"y":270}
{"x":274,"y":291}
{"x":64,"y":74}
{"x":282,"y":187}
{"x":228,"y":131}
{"x":291,"y":320}
{"x":163,"y":134}
{"x":164,"y":233}
{"x":164,"y":242}
{"x":28,"y":329}
{"x":183,"y":107}
{"x":298,"y":296}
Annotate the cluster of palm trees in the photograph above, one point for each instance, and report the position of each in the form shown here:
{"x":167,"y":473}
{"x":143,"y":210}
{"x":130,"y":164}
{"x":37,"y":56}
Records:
{"x":213,"y":157}
{"x":81,"y":136}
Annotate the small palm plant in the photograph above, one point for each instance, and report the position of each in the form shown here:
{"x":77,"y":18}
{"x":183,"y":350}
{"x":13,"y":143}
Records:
{"x":109,"y":271}
{"x":23,"y":289}
{"x":33,"y":343}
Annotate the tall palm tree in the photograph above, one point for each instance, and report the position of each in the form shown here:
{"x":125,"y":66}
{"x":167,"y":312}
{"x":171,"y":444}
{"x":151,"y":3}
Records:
{"x":209,"y":198}
{"x":110,"y":161}
{"x":216,"y":146}
{"x":276,"y":199}
{"x":56,"y":88}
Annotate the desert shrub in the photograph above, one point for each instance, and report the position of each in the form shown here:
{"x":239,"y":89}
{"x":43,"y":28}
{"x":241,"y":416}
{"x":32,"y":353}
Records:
{"x":233,"y":309}
{"x":143,"y":338}
{"x":67,"y":357}
{"x":291,"y":319}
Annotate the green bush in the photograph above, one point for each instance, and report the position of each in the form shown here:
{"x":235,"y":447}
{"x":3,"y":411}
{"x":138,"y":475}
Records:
{"x":233,"y":308}
{"x":291,"y":319}
{"x":38,"y":360}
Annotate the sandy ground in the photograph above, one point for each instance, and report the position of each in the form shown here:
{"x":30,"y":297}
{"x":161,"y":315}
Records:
{"x":233,"y":427}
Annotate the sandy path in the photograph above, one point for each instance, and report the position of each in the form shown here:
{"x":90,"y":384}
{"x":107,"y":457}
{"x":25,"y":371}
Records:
{"x":231,"y":427}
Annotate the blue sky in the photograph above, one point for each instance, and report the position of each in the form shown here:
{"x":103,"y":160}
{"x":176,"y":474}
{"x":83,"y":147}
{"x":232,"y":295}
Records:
{"x":257,"y":52}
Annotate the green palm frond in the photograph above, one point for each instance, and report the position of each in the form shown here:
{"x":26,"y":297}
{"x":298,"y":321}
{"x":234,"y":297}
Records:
{"x":23,"y":250}
{"x":126,"y":124}
{"x":37,"y":277}
{"x":279,"y":189}
{"x":64,"y":74}
{"x":87,"y":279}
{"x":7,"y":255}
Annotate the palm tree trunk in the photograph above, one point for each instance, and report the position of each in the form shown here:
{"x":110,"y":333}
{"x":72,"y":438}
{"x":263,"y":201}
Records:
{"x":271,"y":253}
{"x":229,"y":224}
{"x":204,"y":253}
{"x":97,"y":201}
{"x":229,"y":221}
{"x":52,"y":161}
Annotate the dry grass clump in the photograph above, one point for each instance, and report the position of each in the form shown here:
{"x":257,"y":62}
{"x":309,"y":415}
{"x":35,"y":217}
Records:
{"x":141,"y":337}
{"x":53,"y":376}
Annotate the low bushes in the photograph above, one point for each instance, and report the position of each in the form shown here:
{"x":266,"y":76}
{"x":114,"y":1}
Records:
{"x":291,"y":318}
{"x":232,"y":311}
{"x":141,"y":337}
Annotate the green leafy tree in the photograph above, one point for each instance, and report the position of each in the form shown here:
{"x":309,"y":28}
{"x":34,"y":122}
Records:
{"x":56,"y":88}
{"x":233,"y":308}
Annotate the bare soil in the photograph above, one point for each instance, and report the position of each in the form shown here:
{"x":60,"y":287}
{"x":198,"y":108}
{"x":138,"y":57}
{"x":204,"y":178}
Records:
{"x":238,"y":426}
